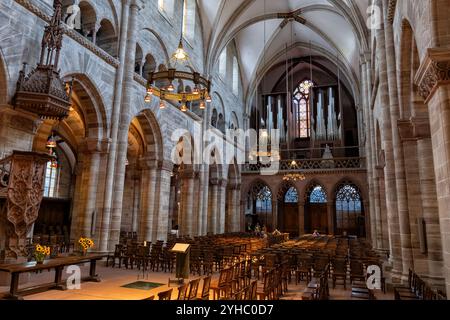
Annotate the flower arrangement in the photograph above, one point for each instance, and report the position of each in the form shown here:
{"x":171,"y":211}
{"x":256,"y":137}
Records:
{"x":41,"y":253}
{"x":85,"y":244}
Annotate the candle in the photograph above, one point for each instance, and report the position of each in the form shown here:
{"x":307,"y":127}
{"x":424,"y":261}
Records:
{"x":145,"y":243}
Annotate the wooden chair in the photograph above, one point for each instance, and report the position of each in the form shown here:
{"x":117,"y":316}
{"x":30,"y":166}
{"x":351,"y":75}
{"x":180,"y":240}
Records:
{"x":193,"y":289}
{"x":182,"y":292}
{"x":165,"y":295}
{"x":220,"y":286}
{"x":252,"y":293}
{"x":339,"y":272}
{"x":205,"y":290}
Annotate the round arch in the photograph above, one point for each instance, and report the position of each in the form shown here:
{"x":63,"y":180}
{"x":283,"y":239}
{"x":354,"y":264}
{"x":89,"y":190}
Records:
{"x":92,"y":105}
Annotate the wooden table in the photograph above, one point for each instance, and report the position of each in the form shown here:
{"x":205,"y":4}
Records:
{"x":58,"y":264}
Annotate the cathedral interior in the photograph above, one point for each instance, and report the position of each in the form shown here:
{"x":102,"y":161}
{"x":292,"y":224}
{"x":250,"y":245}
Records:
{"x":250,"y":149}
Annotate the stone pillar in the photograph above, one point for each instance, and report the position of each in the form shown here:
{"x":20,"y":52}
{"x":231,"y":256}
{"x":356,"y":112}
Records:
{"x":432,"y":79}
{"x":389,"y":170}
{"x":212,"y":205}
{"x":330,"y":217}
{"x":92,"y":148}
{"x":221,"y":198}
{"x":115,"y":115}
{"x":301,"y":218}
{"x":275,"y":209}
{"x":368,"y":135}
{"x":149,"y":172}
{"x":162,"y":223}
{"x":186,"y":218}
{"x":236,"y":218}
{"x":430,"y":207}
{"x":402,"y":200}
{"x":124,"y":122}
{"x":136,"y":202}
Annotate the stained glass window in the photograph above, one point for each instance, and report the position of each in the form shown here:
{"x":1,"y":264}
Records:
{"x":317,"y":195}
{"x":51,"y":179}
{"x":264,"y":203}
{"x":291,"y":196}
{"x":348,"y":208}
{"x":301,"y":109}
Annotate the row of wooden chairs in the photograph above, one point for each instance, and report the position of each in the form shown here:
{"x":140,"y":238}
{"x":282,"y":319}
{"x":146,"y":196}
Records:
{"x":416,"y":289}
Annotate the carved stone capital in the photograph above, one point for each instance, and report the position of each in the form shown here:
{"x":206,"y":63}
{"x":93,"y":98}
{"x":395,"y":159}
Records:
{"x":434,"y":72}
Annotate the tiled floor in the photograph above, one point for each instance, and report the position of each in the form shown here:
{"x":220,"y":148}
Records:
{"x":113,"y":280}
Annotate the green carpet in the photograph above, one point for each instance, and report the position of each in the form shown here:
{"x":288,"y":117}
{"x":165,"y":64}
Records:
{"x":142,"y":285}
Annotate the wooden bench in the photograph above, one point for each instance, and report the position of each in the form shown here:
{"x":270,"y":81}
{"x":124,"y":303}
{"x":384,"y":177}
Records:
{"x":58,"y":264}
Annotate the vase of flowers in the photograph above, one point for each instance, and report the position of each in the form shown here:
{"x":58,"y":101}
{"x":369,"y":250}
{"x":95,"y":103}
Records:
{"x":40,"y":253}
{"x":85,"y":245}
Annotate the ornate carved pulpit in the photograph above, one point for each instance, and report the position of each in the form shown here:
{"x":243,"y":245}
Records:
{"x":42,"y":91}
{"x":21,"y":190}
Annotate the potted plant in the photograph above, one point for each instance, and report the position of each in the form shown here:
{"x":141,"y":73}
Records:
{"x":40,"y":253}
{"x":85,"y":244}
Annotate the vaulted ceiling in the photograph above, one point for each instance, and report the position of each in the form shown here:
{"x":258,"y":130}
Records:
{"x":334,"y":29}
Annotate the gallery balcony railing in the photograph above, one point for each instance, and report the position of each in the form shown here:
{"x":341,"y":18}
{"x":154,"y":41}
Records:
{"x":311,"y":165}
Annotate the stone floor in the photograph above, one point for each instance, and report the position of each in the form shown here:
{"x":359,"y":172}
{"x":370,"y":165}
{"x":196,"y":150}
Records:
{"x":110,"y":288}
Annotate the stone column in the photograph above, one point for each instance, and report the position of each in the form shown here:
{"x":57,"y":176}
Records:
{"x":115,"y":115}
{"x":212,"y":205}
{"x":301,"y":218}
{"x":186,"y":218}
{"x":330,"y":217}
{"x":389,"y":170}
{"x":368,"y":144}
{"x":429,"y":202}
{"x":275,"y":209}
{"x":162,"y":223}
{"x":124,"y":122}
{"x":149,"y":172}
{"x":221,"y":197}
{"x":93,"y":149}
{"x":402,"y":200}
{"x":236,"y":209}
{"x":432,"y":79}
{"x":136,"y":202}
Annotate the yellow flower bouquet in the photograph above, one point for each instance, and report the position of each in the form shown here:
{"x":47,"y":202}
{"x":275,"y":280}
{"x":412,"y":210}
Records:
{"x":40,"y":253}
{"x":85,"y":244}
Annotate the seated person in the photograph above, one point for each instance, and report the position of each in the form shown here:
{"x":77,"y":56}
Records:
{"x":316,"y":233}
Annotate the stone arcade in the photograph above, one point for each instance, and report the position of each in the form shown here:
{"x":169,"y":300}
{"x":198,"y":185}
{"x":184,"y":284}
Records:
{"x":348,"y":100}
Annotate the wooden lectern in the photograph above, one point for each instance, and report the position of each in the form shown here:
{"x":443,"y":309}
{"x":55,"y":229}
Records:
{"x":182,"y":263}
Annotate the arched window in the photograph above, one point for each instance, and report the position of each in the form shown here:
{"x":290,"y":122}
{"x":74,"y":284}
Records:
{"x":214,"y":118}
{"x":301,"y":109}
{"x":317,"y":195}
{"x":264,"y":201}
{"x":223,"y":64}
{"x":235,"y":76}
{"x":291,"y":196}
{"x":51,"y":179}
{"x":348,"y":209}
{"x":189,"y":19}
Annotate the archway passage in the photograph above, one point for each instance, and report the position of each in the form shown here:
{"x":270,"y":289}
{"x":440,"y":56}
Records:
{"x":349,"y":214}
{"x":258,"y":210}
{"x":316,"y":210}
{"x":288,"y":219}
